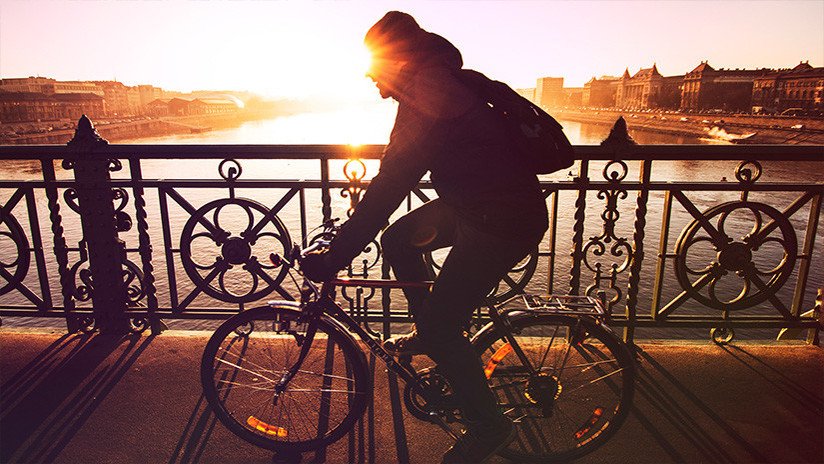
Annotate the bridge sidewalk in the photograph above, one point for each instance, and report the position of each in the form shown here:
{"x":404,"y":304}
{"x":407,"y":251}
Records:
{"x":83,"y":399}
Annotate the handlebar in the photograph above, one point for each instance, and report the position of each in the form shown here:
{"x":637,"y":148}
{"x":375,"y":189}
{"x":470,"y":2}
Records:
{"x":319,"y":242}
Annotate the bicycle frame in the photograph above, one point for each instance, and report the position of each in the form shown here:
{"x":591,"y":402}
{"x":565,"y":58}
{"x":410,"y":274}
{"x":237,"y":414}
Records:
{"x":325,"y":304}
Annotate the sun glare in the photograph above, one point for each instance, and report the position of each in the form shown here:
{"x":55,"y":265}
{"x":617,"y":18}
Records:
{"x":347,"y":72}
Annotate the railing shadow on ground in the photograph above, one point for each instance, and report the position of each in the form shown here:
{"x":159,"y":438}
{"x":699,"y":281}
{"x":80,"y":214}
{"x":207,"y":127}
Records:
{"x":196,"y":433}
{"x":50,"y":399}
{"x":701,"y":412}
{"x":790,"y":388}
{"x":661,"y":396}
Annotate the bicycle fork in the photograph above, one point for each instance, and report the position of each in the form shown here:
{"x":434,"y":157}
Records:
{"x":305,"y":345}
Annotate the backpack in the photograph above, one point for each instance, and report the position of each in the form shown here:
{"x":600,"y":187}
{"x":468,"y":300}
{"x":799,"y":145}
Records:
{"x":538,"y":137}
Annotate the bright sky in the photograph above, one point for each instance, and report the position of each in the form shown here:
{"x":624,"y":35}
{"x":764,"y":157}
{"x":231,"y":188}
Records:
{"x":301,"y":48}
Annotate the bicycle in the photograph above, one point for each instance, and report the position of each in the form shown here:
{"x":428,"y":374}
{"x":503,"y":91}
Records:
{"x":291,"y":377}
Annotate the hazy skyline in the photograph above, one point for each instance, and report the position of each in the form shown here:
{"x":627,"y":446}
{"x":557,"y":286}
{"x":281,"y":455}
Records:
{"x":296,"y":49}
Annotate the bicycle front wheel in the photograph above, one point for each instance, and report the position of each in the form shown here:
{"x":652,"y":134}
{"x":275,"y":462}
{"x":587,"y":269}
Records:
{"x":566,"y":382}
{"x":250,"y":353}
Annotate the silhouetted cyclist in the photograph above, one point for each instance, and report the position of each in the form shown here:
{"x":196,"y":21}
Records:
{"x":490,"y":210}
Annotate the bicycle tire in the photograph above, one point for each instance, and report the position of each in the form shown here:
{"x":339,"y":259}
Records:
{"x":248,"y":354}
{"x":580,"y":395}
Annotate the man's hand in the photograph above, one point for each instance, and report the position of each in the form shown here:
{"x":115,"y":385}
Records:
{"x":317,"y":266}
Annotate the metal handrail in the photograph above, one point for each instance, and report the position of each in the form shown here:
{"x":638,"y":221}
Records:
{"x":587,"y":274}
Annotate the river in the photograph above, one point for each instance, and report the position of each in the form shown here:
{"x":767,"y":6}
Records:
{"x":361,"y":126}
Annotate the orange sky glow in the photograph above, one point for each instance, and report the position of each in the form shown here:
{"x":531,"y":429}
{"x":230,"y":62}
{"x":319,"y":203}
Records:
{"x":299,"y":49}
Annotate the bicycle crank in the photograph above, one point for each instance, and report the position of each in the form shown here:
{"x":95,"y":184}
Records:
{"x":430,"y":398}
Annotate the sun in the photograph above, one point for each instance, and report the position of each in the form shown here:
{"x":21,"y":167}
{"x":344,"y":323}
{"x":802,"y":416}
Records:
{"x":347,"y":71}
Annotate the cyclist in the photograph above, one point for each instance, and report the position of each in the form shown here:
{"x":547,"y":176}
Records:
{"x":490,"y":210}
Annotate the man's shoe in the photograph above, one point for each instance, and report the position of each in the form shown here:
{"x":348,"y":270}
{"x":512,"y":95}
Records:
{"x":404,"y":345}
{"x":480,"y":442}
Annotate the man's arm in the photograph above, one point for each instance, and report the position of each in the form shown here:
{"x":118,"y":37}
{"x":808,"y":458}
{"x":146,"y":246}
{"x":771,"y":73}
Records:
{"x":406,"y":159}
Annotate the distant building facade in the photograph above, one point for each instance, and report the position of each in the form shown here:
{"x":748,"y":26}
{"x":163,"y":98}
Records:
{"x":706,"y":88}
{"x":46,"y":99}
{"x":118,"y":102}
{"x":69,"y":87}
{"x":158,"y":108}
{"x":148,"y":94}
{"x":600,"y":93}
{"x":573,"y":96}
{"x":647,"y":89}
{"x":529,"y":93}
{"x":42,"y":85}
{"x":798,"y":89}
{"x":185,"y":107}
{"x":38,"y":107}
{"x":549,"y":92}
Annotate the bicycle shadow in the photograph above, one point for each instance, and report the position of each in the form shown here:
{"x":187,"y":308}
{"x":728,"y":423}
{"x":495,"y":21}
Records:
{"x":47,"y":402}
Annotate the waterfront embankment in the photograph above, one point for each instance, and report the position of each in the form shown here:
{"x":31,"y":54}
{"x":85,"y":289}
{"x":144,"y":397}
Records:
{"x":118,"y":130}
{"x":722,"y":127}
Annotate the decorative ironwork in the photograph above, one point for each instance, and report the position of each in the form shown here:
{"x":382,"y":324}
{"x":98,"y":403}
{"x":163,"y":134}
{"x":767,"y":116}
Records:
{"x":106,"y":252}
{"x":748,"y":172}
{"x":639,"y":231}
{"x":145,"y":249}
{"x":578,"y":229}
{"x":215,"y":242}
{"x":80,"y":270}
{"x":355,"y":171}
{"x":736,"y":254}
{"x":618,"y":247}
{"x":515,"y":281}
{"x":86,"y":323}
{"x":742,"y":261}
{"x":229,"y":169}
{"x":133,"y":280}
{"x":60,"y":248}
{"x":722,"y":335}
{"x":359,"y":301}
{"x":70,"y":196}
{"x":13,"y":270}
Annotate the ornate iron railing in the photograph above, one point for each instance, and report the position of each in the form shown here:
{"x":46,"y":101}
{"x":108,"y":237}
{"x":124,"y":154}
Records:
{"x":716,"y":237}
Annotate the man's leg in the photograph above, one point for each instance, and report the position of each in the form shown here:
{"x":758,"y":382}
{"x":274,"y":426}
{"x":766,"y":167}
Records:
{"x":476,"y":263}
{"x":426,"y":228}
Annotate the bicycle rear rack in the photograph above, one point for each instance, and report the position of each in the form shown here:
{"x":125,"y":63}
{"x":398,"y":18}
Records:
{"x":565,"y":304}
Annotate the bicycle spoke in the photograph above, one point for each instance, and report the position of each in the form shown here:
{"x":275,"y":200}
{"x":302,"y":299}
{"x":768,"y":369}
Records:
{"x":548,"y":347}
{"x":244,"y":369}
{"x":596,"y":380}
{"x":569,"y":404}
{"x":230,"y":384}
{"x":322,"y":399}
{"x":322,"y":390}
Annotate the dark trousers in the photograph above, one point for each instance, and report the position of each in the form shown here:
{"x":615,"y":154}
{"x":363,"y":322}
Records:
{"x":477,"y":262}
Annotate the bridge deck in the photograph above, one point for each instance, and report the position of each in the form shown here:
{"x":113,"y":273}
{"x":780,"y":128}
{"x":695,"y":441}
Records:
{"x":76,"y":399}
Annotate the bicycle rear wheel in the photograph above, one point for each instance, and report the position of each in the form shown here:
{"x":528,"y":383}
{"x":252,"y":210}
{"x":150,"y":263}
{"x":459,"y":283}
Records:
{"x":573,"y":394}
{"x":249,"y":354}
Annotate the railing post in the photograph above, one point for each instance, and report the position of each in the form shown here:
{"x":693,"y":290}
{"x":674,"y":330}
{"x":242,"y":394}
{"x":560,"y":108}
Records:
{"x":577,"y":253}
{"x":60,"y":248}
{"x":639,"y":232}
{"x":97,"y":214}
{"x":325,"y":197}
